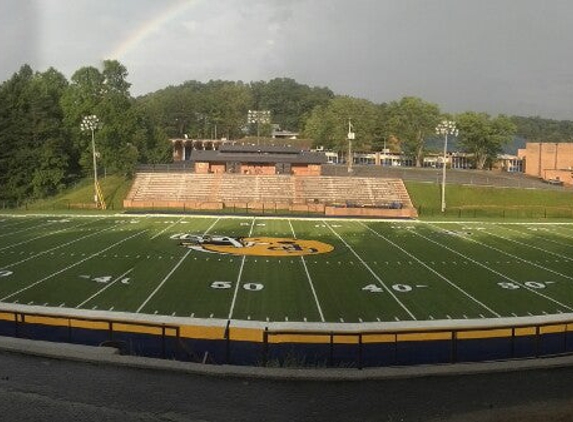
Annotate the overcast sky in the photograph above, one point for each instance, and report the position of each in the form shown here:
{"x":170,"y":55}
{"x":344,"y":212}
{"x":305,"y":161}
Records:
{"x":498,"y":56}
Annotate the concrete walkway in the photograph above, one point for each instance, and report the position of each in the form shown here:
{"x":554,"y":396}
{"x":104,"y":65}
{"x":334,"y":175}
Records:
{"x":55,"y":382}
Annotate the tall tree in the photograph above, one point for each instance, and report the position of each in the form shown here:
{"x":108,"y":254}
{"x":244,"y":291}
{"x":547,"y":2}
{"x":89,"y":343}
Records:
{"x":483,"y":136}
{"x":328,"y":124}
{"x":34,"y":157}
{"x":288,"y":101}
{"x":413,"y":120}
{"x":106,"y":94}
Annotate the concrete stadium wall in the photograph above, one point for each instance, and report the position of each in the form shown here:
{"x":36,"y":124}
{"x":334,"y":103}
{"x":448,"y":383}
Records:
{"x":255,"y":344}
{"x":371,"y":212}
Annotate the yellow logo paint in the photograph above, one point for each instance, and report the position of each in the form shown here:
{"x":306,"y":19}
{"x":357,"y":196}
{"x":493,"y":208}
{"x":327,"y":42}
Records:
{"x":255,"y":246}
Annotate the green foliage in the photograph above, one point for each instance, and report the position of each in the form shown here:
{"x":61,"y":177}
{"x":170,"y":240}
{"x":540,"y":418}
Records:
{"x":484,"y":136}
{"x":537,"y":129}
{"x":327,"y":125}
{"x":33,"y":158}
{"x":288,"y":101}
{"x":412,"y":120}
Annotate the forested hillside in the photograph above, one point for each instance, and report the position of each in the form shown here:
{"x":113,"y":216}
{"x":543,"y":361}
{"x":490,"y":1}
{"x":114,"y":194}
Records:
{"x":43,"y":149}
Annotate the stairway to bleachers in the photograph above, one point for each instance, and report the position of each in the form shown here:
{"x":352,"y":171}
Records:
{"x":284,"y":189}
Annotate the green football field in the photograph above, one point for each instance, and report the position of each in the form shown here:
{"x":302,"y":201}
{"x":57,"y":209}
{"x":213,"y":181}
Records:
{"x":368,"y":271}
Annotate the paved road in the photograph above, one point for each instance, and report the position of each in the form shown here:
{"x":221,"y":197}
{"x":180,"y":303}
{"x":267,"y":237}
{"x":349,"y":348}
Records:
{"x":454,"y":176}
{"x":45,"y":389}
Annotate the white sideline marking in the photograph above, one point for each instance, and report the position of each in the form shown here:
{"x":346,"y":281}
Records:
{"x":536,"y":292}
{"x":236,"y":292}
{"x":104,"y":288}
{"x":71,"y":266}
{"x":308,"y":277}
{"x":451,"y":283}
{"x":372,"y":272}
{"x":171,"y":273}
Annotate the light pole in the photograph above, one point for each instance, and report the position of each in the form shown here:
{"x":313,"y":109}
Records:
{"x":258,"y":117}
{"x":91,"y":123}
{"x":351,"y":136}
{"x":446,"y":127}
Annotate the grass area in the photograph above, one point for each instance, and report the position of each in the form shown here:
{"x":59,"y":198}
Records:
{"x":482,"y":202}
{"x":376,"y":271}
{"x":114,"y":187}
{"x":462,"y":201}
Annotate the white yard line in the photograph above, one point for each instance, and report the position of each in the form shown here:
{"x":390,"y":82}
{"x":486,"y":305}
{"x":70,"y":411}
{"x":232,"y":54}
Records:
{"x":105,"y":288}
{"x":71,"y":266}
{"x":492,"y":270}
{"x":512,"y":255}
{"x":58,"y":247}
{"x":236,"y":292}
{"x":167,"y":228}
{"x":28,"y":228}
{"x":388,"y":290}
{"x":535,"y":247}
{"x":451,"y":283}
{"x":171,"y":273}
{"x":45,"y":235}
{"x":309,"y":278}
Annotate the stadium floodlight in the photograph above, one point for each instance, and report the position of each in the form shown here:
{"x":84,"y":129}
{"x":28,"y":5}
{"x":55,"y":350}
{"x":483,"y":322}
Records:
{"x":351,"y":136}
{"x":257,"y":117}
{"x":446,"y":127}
{"x":91,"y":123}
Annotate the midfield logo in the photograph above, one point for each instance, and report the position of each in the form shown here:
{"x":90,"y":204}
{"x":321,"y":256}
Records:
{"x":253,"y":246}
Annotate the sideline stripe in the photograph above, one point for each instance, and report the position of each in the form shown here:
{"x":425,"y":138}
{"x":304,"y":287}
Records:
{"x":451,"y":283}
{"x":309,"y":278}
{"x":236,"y":292}
{"x":104,"y":288}
{"x":171,"y":272}
{"x":71,"y":266}
{"x":492,"y":270}
{"x":371,"y":271}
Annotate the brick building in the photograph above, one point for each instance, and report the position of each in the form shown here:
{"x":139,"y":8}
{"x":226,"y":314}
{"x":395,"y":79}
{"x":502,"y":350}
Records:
{"x":258,"y":160}
{"x":549,"y":161}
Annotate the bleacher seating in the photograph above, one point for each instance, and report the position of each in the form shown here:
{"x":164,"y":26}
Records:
{"x":285,"y":189}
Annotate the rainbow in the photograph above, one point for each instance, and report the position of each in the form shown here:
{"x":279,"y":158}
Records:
{"x":148,"y":27}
